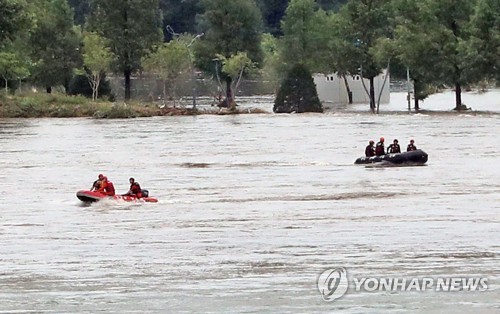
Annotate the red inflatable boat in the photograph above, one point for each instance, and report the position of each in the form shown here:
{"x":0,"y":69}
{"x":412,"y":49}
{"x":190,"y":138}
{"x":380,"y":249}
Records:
{"x":93,"y":196}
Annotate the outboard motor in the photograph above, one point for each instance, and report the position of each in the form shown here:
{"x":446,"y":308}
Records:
{"x":145,"y":193}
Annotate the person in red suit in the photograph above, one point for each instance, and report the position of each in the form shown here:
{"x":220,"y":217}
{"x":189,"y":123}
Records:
{"x":97,"y":183}
{"x":135,"y":188}
{"x":107,"y":187}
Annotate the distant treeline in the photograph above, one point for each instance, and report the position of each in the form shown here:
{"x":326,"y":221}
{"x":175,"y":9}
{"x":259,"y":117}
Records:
{"x":55,"y":43}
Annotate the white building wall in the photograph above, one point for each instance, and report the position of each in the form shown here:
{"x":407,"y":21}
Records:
{"x":332,"y":89}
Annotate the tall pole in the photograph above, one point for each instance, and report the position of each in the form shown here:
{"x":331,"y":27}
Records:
{"x":408,"y":96}
{"x":193,"y":70}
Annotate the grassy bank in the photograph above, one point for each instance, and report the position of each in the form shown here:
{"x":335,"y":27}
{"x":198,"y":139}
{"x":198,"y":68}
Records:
{"x":62,"y":106}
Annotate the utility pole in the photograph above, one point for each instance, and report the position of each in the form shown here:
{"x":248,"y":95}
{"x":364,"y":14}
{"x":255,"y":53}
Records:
{"x":408,"y":96}
{"x":193,"y":70}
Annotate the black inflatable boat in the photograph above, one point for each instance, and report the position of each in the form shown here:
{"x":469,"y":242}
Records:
{"x":416,"y":157}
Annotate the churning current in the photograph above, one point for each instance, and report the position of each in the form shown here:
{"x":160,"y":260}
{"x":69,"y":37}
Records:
{"x":252,"y":208}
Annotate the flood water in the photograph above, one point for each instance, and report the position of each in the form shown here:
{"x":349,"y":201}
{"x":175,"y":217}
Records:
{"x":252,"y":209}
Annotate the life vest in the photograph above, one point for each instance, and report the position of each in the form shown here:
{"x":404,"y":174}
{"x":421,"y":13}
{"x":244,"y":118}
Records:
{"x":379,"y":149}
{"x":411,"y":147}
{"x":135,"y":188}
{"x":109,"y":189}
{"x":394,"y":149}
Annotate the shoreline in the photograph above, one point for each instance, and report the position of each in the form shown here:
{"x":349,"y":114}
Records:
{"x":37,"y":105}
{"x":62,"y":106}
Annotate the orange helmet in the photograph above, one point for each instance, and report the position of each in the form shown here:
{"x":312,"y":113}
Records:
{"x":382,"y":139}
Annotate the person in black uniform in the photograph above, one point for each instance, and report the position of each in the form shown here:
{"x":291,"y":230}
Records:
{"x":411,"y":146}
{"x":370,"y":150}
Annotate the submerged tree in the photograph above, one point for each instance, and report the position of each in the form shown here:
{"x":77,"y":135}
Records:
{"x":297,"y":93}
{"x":363,"y":23}
{"x":131,"y":27}
{"x":231,"y":27}
{"x":233,"y":67}
{"x":415,"y":45}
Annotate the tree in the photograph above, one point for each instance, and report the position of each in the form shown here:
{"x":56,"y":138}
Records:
{"x":55,"y":44}
{"x":483,"y":46}
{"x":297,"y":92}
{"x":12,"y":67}
{"x":168,"y":62}
{"x":274,"y":10}
{"x":363,"y":23}
{"x":416,"y":45}
{"x":302,"y":34}
{"x":13,"y":17}
{"x":131,"y":27}
{"x":97,"y":59}
{"x":234,"y":67}
{"x":450,"y":20}
{"x":231,"y":27}
{"x":432,"y":40}
{"x":335,"y":53}
{"x":271,"y":64}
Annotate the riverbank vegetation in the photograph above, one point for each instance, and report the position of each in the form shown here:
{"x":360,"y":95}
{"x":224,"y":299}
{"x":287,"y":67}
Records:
{"x":49,"y":44}
{"x":56,"y":105}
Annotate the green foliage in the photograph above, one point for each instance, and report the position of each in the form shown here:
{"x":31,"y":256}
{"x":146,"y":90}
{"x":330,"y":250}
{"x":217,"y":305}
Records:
{"x":45,"y":105}
{"x":116,"y":111}
{"x":168,"y":62}
{"x":235,"y":65}
{"x":80,"y":85}
{"x":97,"y":59}
{"x":13,"y":18}
{"x":363,"y":23}
{"x":12,"y":67}
{"x":97,"y":56}
{"x":230,"y":26}
{"x":302,"y":28}
{"x":55,"y":44}
{"x":431,"y":38}
{"x":482,"y":50}
{"x":62,"y":106}
{"x":272,"y":60}
{"x":297,"y":93}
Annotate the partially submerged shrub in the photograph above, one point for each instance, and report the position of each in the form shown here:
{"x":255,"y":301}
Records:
{"x":297,"y":93}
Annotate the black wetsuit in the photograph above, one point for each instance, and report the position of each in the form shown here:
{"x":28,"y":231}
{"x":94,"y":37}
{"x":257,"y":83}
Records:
{"x":411,"y":147}
{"x":369,"y":151}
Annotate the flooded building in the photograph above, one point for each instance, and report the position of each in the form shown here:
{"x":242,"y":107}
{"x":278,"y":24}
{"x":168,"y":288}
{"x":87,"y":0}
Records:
{"x":332,"y":88}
